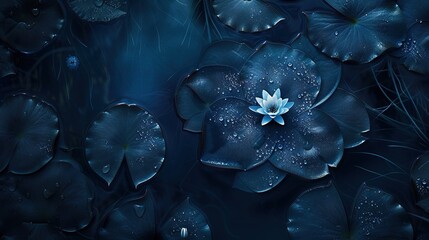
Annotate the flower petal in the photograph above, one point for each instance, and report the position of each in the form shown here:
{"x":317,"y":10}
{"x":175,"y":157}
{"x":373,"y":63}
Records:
{"x":231,"y":126}
{"x":247,"y":16}
{"x":132,"y":218}
{"x":277,"y":66}
{"x":125,"y":132}
{"x":266,"y":120}
{"x":360,"y":31}
{"x":279,"y":120}
{"x":310,"y":143}
{"x":260,"y":101}
{"x":330,"y":70}
{"x":226,"y":53}
{"x":376,"y":215}
{"x":186,"y":216}
{"x":259,"y":179}
{"x":201,"y":89}
{"x":318,"y":212}
{"x":278,"y":94}
{"x":350,"y":114}
{"x":28,"y":130}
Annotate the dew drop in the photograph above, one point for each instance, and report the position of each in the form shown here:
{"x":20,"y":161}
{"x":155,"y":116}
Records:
{"x":106,"y":169}
{"x":183,"y":232}
{"x":139,"y":210}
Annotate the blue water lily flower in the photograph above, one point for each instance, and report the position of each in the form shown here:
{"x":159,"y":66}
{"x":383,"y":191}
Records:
{"x":272,"y":107}
{"x":305,"y":142}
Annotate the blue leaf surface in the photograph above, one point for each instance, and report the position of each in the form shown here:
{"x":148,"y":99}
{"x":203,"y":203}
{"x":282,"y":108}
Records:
{"x":307,"y":145}
{"x":278,"y":66}
{"x":247,"y":16}
{"x":358,"y":30}
{"x":28,"y":129}
{"x":125,"y":132}
{"x":186,"y":222}
{"x":6,"y":66}
{"x":57,"y":194}
{"x":29,"y":26}
{"x":318,"y":212}
{"x":259,"y":179}
{"x":132,"y":218}
{"x":416,"y":10}
{"x":330,"y":70}
{"x":99,"y":10}
{"x":34,"y":231}
{"x":350,"y":114}
{"x":201,"y":89}
{"x":226,"y":53}
{"x":230,"y":125}
{"x":420,"y":178}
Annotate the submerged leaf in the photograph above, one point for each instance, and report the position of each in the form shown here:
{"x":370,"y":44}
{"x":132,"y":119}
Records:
{"x":29,"y":26}
{"x":247,"y":15}
{"x":98,"y":10}
{"x":125,"y":132}
{"x":359,"y":30}
{"x":28,"y":129}
{"x":186,"y":222}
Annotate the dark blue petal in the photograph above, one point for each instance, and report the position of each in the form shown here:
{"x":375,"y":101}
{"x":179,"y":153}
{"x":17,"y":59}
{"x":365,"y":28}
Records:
{"x":318,"y":214}
{"x":376,"y":215}
{"x":420,"y":178}
{"x":360,"y":31}
{"x":99,"y":10}
{"x":416,"y":10}
{"x":415,"y":50}
{"x":28,"y":129}
{"x":234,"y":137}
{"x":259,"y":179}
{"x":226,"y":53}
{"x":201,"y":89}
{"x":132,"y":219}
{"x":247,"y":16}
{"x":330,"y":71}
{"x":125,"y":132}
{"x":308,"y":145}
{"x":28,"y":26}
{"x":186,"y":218}
{"x":350,"y":114}
{"x":57,"y":194}
{"x":275,"y":66}
{"x":6,"y":66}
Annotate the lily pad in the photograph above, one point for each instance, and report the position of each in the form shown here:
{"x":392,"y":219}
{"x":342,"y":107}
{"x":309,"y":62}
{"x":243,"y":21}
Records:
{"x":99,"y":10}
{"x":6,"y":66}
{"x":58,"y":194}
{"x":278,"y":66}
{"x":259,"y":179}
{"x":417,"y":10}
{"x":34,"y":231}
{"x":330,"y":70}
{"x":186,"y":222}
{"x":128,"y":132}
{"x":28,"y":130}
{"x":230,"y":125}
{"x":247,"y":15}
{"x":350,"y":114}
{"x":415,"y":51}
{"x":375,"y":215}
{"x":226,"y":53}
{"x":358,"y":30}
{"x":29,"y":26}
{"x":201,"y":89}
{"x":420,"y":178}
{"x":132,"y":218}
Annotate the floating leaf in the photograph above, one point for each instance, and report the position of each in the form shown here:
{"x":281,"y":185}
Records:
{"x":127,"y":132}
{"x":29,"y":26}
{"x":186,"y":222}
{"x":350,"y":114}
{"x":58,"y":194}
{"x":28,"y":129}
{"x":247,"y":15}
{"x":277,"y":66}
{"x":201,"y":89}
{"x":420,"y":178}
{"x":307,"y":145}
{"x":417,"y":10}
{"x":320,"y":212}
{"x":359,"y":30}
{"x":98,"y":10}
{"x":226,"y":53}
{"x":259,"y":179}
{"x":230,"y":125}
{"x":132,"y":219}
{"x":330,"y":71}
